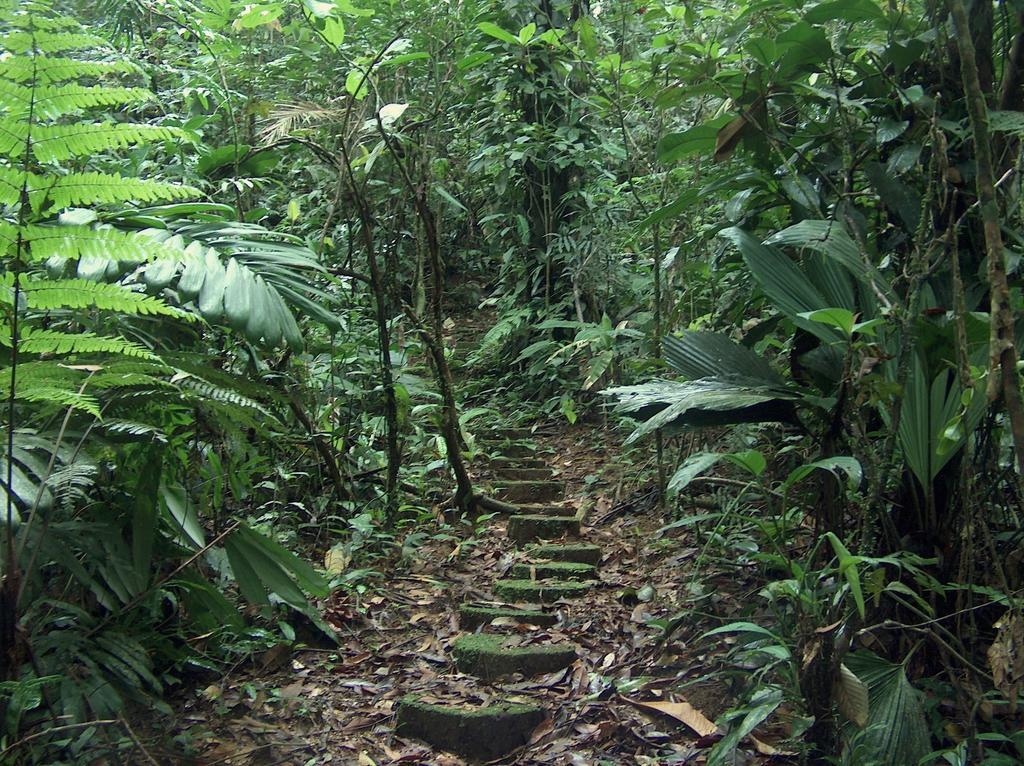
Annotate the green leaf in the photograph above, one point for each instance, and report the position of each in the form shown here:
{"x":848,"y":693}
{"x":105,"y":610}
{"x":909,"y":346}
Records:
{"x":842,"y":319}
{"x":334,"y":31}
{"x":145,"y":515}
{"x":690,"y":469}
{"x":848,"y":569}
{"x":845,"y":10}
{"x":848,"y":465}
{"x":897,"y":731}
{"x":699,"y":139}
{"x":181,"y":513}
{"x":474,"y":60}
{"x":526,"y":33}
{"x":258,"y":14}
{"x":784,"y":284}
{"x":493,"y":30}
{"x":318,"y":8}
{"x":356,"y":84}
{"x":750,"y":460}
{"x":754,"y":630}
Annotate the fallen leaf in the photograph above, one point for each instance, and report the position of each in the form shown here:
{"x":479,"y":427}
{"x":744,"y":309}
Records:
{"x":684,"y":712}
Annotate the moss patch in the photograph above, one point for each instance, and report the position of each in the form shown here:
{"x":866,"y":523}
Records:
{"x":489,"y":656}
{"x":472,"y":617}
{"x":475,"y":733}
{"x":554,"y":570}
{"x":526,"y":529}
{"x":540,"y":591}
{"x":582,"y":553}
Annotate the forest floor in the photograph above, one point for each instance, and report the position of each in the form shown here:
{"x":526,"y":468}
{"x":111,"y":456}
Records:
{"x":630,"y":698}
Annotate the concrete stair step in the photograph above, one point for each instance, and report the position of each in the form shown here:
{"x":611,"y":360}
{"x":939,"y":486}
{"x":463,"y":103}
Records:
{"x":473,"y":731}
{"x":578,"y":552}
{"x":554,"y":570}
{"x":539,"y":591}
{"x":472,"y":616}
{"x":528,"y":491}
{"x":545,"y":509}
{"x":524,"y":474}
{"x":499,"y":463}
{"x":488,"y":656}
{"x":514,"y":450}
{"x":527,"y":529}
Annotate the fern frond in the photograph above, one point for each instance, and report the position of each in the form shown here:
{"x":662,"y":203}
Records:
{"x":48,"y":70}
{"x":75,"y":242}
{"x":128,"y":380}
{"x":54,"y":101}
{"x":133,"y":428}
{"x":29,"y":15}
{"x":11,"y":182}
{"x":42,"y":393}
{"x":46,"y":295}
{"x":83,"y":189}
{"x":54,"y":143}
{"x":35,"y":341}
{"x":25,"y":41}
{"x":227,"y":396}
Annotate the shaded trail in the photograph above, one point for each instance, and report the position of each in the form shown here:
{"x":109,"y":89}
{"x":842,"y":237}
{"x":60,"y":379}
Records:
{"x":526,"y":640}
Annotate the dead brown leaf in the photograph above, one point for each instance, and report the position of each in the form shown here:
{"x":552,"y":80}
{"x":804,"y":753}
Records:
{"x":683,"y":712}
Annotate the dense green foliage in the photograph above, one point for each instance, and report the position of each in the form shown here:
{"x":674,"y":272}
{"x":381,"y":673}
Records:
{"x":772,"y":233}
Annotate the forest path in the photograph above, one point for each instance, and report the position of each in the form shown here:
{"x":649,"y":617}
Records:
{"x":409,"y":631}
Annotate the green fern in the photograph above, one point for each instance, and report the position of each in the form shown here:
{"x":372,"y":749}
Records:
{"x":51,"y":71}
{"x":53,"y":102}
{"x":74,"y":242}
{"x":45,"y":295}
{"x":80,"y":189}
{"x":57,"y":143}
{"x":35,"y":341}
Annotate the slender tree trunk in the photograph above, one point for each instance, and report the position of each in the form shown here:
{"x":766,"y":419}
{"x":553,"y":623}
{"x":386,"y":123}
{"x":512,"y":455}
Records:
{"x":1003,"y":378}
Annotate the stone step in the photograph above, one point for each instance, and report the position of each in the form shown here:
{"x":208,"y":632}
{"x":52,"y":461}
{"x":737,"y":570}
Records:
{"x":478,"y":733}
{"x":554,"y":570}
{"x":539,"y":591}
{"x":545,"y":509}
{"x":527,"y":529}
{"x":529,"y":491}
{"x":499,"y":463}
{"x":578,"y":552}
{"x":513,"y":449}
{"x":472,"y":616}
{"x":511,"y":434}
{"x":524,"y":474}
{"x":488,"y":656}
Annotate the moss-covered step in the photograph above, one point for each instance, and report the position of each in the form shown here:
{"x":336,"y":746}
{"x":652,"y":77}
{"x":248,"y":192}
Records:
{"x":513,"y":449}
{"x":524,"y":474}
{"x":488,"y":656}
{"x":539,"y":591}
{"x":511,"y":434}
{"x":527,"y":528}
{"x":473,"y":732}
{"x":472,"y":616}
{"x":578,"y":552}
{"x":554,"y":570}
{"x":528,"y":491}
{"x":498,"y":463}
{"x":544,"y":509}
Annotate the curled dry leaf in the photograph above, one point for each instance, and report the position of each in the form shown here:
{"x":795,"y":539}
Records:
{"x":851,"y":696}
{"x":683,"y":712}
